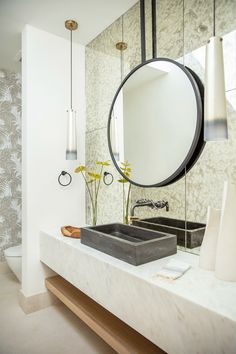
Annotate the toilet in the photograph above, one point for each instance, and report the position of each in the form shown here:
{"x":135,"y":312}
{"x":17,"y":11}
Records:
{"x":13,"y":257}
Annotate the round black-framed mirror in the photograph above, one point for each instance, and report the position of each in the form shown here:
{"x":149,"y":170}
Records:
{"x":174,"y":118}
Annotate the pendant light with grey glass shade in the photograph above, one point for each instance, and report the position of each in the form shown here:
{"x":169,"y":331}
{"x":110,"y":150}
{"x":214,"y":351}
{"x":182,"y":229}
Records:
{"x":71,"y":147}
{"x":215,"y":113}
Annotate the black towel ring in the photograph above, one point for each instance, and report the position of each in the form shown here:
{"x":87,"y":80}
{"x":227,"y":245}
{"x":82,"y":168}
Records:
{"x":108,"y":175}
{"x":64,"y":173}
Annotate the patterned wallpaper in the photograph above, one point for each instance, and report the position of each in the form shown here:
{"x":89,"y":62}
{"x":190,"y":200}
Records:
{"x":10,"y":157}
{"x":204,"y":183}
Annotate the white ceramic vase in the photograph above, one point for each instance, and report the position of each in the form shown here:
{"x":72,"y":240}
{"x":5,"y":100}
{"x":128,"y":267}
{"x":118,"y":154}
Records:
{"x":226,"y":248}
{"x":207,"y":257}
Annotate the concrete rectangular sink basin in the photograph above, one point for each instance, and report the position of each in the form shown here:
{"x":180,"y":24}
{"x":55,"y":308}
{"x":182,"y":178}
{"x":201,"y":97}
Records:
{"x":195,"y":230}
{"x":131,"y":244}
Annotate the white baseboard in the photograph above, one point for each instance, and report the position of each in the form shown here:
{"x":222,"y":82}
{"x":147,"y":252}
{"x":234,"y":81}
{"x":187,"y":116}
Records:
{"x":36,"y":302}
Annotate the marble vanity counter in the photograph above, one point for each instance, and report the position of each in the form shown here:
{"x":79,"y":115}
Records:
{"x":193,"y":314}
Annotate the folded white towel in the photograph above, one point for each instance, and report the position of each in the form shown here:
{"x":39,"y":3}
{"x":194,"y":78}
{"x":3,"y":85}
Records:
{"x":173,"y":269}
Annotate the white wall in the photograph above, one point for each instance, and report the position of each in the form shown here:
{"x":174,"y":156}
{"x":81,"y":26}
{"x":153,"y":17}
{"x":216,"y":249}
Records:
{"x":159,"y":125}
{"x":45,"y":99}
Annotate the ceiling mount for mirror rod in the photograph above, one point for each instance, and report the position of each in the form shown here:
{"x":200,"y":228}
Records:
{"x":122,"y":46}
{"x":143,"y":32}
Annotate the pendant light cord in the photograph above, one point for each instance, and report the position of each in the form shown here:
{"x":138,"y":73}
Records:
{"x":185,"y":209}
{"x":214,"y":18}
{"x":71,"y":92}
{"x":121,"y":52}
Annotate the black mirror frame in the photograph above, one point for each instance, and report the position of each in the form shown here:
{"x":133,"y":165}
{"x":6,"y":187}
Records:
{"x":198,"y":142}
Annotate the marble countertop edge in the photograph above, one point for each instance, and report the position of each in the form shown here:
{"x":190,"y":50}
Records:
{"x":196,"y":285}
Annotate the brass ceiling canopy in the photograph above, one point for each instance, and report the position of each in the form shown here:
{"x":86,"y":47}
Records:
{"x":121,"y":46}
{"x":71,"y":25}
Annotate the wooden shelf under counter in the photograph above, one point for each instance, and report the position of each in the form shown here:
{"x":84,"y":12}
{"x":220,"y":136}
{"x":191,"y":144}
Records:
{"x":121,"y":337}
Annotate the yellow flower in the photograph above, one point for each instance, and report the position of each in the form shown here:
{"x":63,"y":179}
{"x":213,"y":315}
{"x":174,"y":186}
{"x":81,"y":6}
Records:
{"x":80,"y":169}
{"x":91,"y":181}
{"x":103,"y":163}
{"x":126,"y":169}
{"x":122,"y":180}
{"x":94,"y":175}
{"x":125,"y":163}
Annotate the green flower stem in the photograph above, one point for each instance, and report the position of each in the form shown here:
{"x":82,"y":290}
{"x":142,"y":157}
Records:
{"x":91,"y":199}
{"x":94,"y":194}
{"x":97,"y":188}
{"x":124,"y":202}
{"x":93,"y":183}
{"x":127,"y":205}
{"x":94,"y":218}
{"x":99,"y":182}
{"x":95,"y":205}
{"x":87,"y":185}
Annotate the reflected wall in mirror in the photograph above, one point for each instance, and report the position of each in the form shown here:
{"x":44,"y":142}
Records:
{"x":155,"y":122}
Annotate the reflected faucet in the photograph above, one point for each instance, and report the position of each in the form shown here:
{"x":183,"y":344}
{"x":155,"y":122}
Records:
{"x":149,"y":203}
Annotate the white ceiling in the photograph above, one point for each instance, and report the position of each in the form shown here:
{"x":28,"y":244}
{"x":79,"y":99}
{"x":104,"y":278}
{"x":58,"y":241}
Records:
{"x":93,"y":17}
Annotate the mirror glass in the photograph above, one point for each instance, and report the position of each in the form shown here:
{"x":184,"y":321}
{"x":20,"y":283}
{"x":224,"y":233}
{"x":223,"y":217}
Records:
{"x":155,"y":122}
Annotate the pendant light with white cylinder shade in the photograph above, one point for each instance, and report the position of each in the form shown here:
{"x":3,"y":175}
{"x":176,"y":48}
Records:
{"x":215,"y":113}
{"x":71,"y":147}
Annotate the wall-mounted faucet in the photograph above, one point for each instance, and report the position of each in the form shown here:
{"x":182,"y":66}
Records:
{"x":149,"y":203}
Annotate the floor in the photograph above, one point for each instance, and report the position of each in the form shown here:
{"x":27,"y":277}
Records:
{"x":54,"y":330}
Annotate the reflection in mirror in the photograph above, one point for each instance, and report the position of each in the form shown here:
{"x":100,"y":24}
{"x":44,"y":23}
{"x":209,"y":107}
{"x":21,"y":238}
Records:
{"x":155,"y":122}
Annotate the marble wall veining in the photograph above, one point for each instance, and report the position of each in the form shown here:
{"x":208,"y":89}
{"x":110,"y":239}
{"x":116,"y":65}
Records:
{"x":10,"y":157}
{"x":179,"y":31}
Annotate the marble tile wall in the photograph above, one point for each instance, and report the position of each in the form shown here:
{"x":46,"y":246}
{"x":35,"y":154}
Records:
{"x":10,"y":157}
{"x":204,"y":183}
{"x":103,"y":76}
